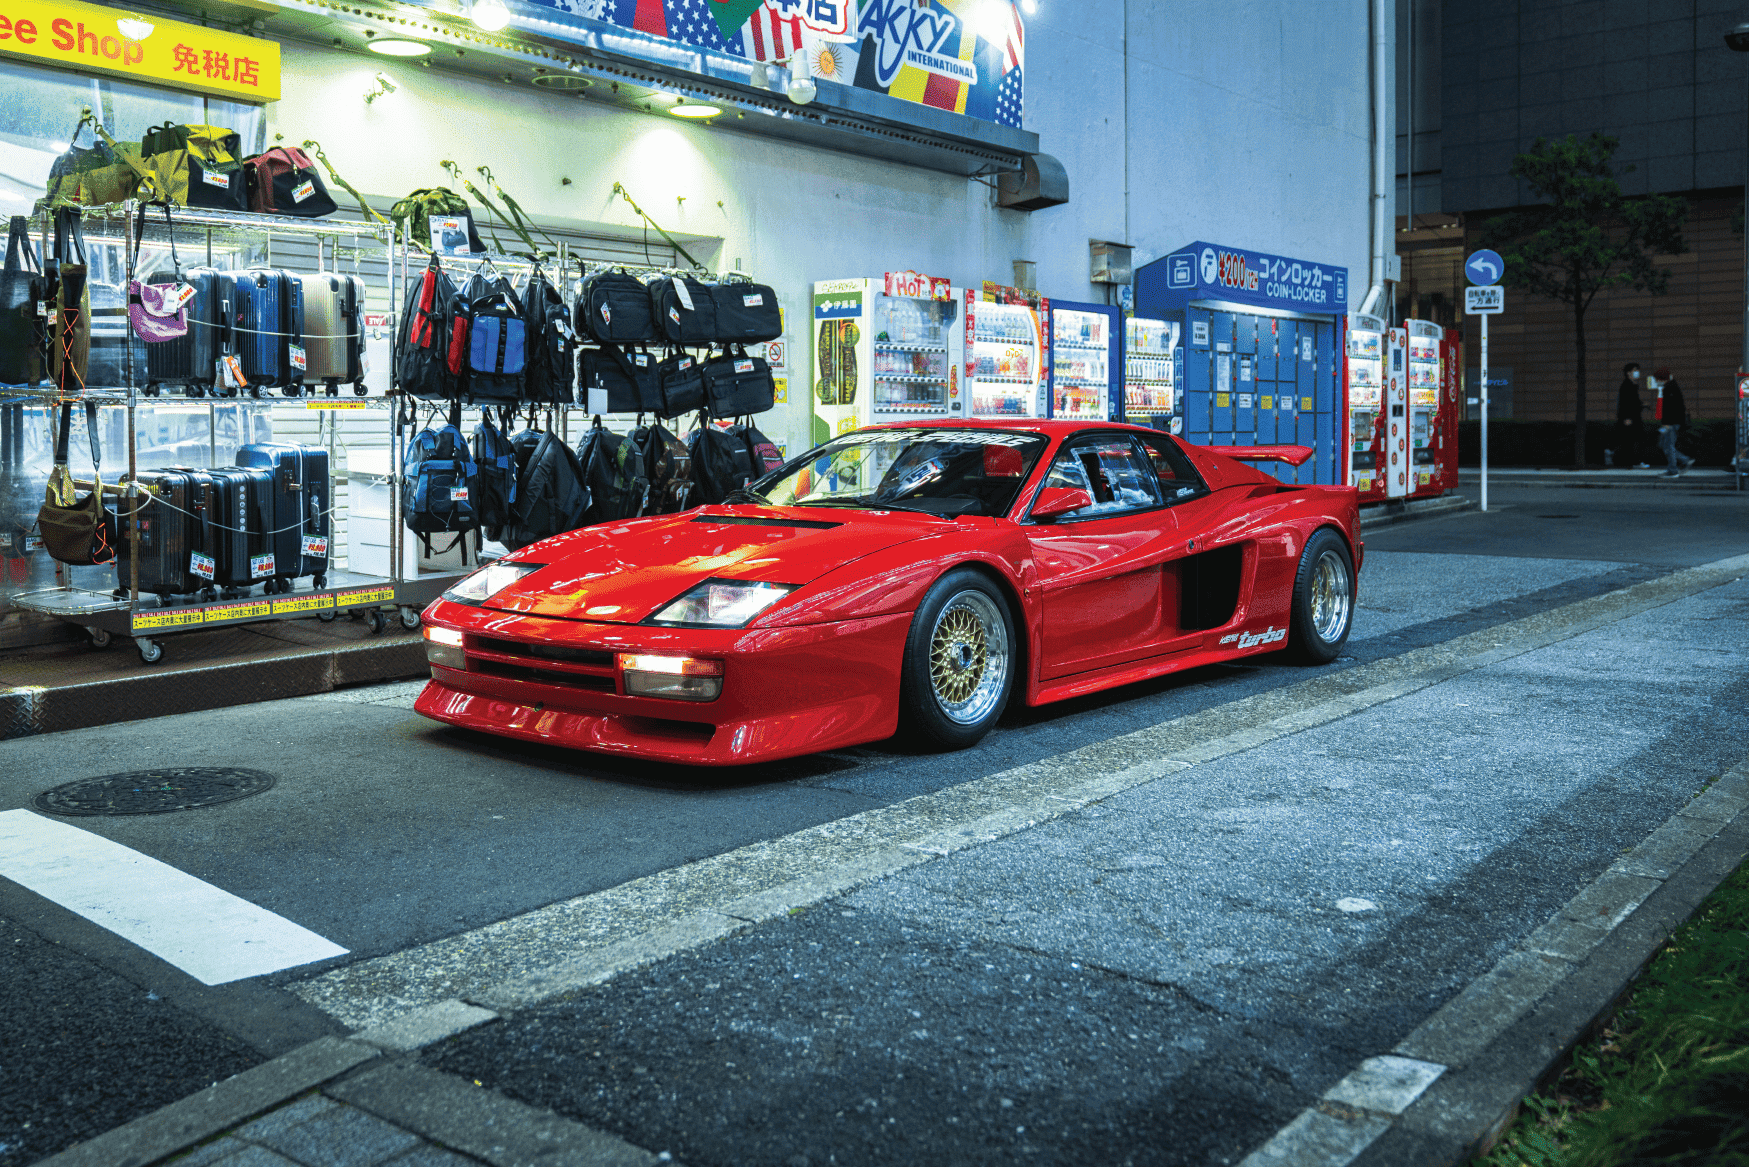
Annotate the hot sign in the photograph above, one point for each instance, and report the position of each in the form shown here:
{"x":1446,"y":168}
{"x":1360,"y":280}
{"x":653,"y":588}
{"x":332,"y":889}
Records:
{"x":916,"y":286}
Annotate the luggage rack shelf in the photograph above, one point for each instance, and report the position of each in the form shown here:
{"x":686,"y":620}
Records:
{"x":127,"y":611}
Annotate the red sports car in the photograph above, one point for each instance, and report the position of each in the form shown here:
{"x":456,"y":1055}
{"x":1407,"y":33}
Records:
{"x":913,"y":577}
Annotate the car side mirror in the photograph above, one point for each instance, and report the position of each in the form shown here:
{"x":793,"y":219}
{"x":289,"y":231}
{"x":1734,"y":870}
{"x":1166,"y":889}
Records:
{"x":1060,"y":500}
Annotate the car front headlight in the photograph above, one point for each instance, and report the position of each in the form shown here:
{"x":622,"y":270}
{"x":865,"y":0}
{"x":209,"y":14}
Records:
{"x":722,"y":603}
{"x":489,"y":581}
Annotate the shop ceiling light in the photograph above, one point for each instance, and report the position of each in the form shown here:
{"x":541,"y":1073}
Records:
{"x":134,"y":27}
{"x":395,"y":47}
{"x":801,"y":86}
{"x":490,"y":15}
{"x":696,"y":109}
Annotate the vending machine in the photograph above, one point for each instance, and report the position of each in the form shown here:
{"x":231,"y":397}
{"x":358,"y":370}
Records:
{"x":1434,"y":359}
{"x":1364,"y":374}
{"x":1006,"y":350}
{"x":1086,"y":361}
{"x":1150,"y":373}
{"x":887,"y":350}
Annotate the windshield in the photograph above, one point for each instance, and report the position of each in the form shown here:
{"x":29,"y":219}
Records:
{"x":937,"y":471}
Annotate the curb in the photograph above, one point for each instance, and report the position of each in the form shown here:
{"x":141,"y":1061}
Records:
{"x":27,"y":710}
{"x":1384,"y":514}
{"x":1449,"y":1089}
{"x":1705,"y":482}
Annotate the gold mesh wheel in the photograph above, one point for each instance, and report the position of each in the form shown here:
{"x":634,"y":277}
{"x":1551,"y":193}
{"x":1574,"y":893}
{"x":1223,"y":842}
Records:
{"x":968,"y":657}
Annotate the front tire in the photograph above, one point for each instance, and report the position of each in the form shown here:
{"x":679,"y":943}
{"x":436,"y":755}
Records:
{"x":1323,"y":604}
{"x":960,"y":661}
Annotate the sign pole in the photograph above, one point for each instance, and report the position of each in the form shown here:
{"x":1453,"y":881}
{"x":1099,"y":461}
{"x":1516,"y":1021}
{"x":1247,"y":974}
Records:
{"x":1484,"y":413}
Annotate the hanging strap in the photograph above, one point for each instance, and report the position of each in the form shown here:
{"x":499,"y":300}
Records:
{"x":69,"y":236}
{"x":91,"y":435}
{"x":20,"y":255}
{"x":169,"y":231}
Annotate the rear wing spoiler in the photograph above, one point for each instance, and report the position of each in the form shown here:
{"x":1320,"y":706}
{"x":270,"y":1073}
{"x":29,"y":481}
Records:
{"x":1292,"y":455}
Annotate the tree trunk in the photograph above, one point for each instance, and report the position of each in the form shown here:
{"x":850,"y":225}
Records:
{"x":1579,"y":381}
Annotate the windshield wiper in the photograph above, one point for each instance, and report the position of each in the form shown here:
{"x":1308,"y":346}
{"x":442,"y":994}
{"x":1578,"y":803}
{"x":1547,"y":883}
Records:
{"x":742,"y":494}
{"x":870,"y":503}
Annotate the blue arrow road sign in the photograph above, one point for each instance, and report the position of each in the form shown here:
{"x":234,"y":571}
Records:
{"x":1485,"y":267}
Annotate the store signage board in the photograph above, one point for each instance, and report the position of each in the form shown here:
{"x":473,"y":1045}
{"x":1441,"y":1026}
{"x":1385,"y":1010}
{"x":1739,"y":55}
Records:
{"x":1211,"y":271}
{"x":87,"y":38}
{"x":1484,"y":301}
{"x":947,"y":54}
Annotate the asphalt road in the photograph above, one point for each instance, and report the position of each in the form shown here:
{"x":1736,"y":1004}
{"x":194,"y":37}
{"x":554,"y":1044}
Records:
{"x":386,"y":831}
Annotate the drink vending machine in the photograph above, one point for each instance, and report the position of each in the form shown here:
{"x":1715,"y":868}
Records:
{"x":1364,"y":364}
{"x":1433,"y":359}
{"x":887,"y":350}
{"x":1006,"y":350}
{"x":1151,"y":355}
{"x":1086,"y":360}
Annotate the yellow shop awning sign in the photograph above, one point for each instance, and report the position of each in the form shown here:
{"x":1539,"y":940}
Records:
{"x":89,"y":38}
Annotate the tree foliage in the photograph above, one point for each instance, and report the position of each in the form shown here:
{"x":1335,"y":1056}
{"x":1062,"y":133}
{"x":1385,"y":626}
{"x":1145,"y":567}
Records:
{"x":1583,"y":236}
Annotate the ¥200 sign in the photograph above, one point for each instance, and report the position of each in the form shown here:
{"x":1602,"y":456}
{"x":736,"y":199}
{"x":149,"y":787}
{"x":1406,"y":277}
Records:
{"x":88,"y":38}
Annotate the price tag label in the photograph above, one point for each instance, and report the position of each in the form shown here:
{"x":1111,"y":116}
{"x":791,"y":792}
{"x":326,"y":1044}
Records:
{"x":181,"y":294}
{"x":201,"y":565}
{"x":756,"y":300}
{"x":214,"y":178}
{"x":260,"y":565}
{"x":299,"y":358}
{"x":33,"y":543}
{"x":683,"y":293}
{"x":743,"y":366}
{"x":606,"y":313}
{"x":314,"y":546}
{"x":459,"y":494}
{"x":303,"y":190}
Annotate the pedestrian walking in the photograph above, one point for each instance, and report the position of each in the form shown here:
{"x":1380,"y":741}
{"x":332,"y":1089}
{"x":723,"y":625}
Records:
{"x":1670,"y":411}
{"x":1630,"y":423}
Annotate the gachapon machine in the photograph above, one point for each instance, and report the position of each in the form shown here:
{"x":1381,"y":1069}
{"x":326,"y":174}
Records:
{"x":886,"y":350}
{"x":1364,"y":363}
{"x":1433,"y":364}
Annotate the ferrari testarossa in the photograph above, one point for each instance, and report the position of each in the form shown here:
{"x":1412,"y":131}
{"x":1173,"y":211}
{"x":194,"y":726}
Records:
{"x":908,"y":577}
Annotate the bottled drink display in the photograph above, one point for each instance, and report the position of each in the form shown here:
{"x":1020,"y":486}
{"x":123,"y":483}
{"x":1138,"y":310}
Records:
{"x":911,"y":368}
{"x":1150,"y":382}
{"x":1005,"y":361}
{"x":1079,"y":357}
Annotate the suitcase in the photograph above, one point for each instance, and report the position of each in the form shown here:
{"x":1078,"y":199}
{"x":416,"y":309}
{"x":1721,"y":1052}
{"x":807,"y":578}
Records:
{"x":190,"y":360}
{"x":269,"y":324}
{"x":176,"y":551}
{"x":301,"y":500}
{"x":242,"y":516}
{"x":333,"y":332}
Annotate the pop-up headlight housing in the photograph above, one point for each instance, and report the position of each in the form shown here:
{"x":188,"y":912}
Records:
{"x":489,"y":581}
{"x":722,"y":603}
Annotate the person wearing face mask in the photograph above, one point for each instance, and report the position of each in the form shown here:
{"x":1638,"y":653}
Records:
{"x":1671,"y":414}
{"x":1629,"y":420}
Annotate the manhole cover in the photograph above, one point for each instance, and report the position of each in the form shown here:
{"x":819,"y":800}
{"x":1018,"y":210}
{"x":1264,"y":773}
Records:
{"x":153,"y":791}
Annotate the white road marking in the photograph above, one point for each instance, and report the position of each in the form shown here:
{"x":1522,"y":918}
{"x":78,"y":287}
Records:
{"x":210,"y":934}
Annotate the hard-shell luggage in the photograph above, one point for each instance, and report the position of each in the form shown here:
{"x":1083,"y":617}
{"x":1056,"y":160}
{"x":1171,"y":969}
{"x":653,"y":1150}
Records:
{"x":192,"y":360}
{"x":270,"y":329}
{"x":300,"y":525}
{"x":176,"y":550}
{"x":242,"y":517}
{"x":333,"y":332}
{"x":747,"y":313}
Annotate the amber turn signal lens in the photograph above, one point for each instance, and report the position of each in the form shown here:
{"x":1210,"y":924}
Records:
{"x":678,"y":678}
{"x":443,"y":647}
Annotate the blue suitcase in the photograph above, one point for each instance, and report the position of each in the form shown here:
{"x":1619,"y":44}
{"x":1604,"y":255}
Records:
{"x":302,"y":498}
{"x":270,"y":329}
{"x":191,"y":360}
{"x":242,"y":517}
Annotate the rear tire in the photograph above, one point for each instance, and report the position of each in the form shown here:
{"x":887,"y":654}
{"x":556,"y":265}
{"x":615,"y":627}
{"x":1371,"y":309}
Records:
{"x":960,"y":661}
{"x":1323,"y":603}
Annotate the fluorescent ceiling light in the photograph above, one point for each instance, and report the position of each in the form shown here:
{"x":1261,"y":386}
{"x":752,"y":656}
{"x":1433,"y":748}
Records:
{"x":696,"y":109}
{"x":399,"y":48}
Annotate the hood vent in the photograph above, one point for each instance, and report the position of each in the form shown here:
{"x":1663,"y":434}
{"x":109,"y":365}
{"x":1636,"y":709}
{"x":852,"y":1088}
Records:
{"x":751,"y":521}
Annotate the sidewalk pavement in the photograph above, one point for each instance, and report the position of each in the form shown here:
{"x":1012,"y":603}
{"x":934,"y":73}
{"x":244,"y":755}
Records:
{"x":1348,"y":922}
{"x":1696,"y":478}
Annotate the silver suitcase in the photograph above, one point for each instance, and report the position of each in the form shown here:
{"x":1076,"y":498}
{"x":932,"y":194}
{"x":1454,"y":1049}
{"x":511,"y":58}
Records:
{"x":334,"y":332}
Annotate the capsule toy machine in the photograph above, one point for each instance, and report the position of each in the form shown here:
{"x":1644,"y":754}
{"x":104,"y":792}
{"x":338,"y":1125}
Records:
{"x":1432,"y":385}
{"x":1364,"y":362}
{"x":887,"y":350}
{"x":1006,"y":350}
{"x":1150,"y":373}
{"x":1086,"y":362}
{"x":1397,"y":456}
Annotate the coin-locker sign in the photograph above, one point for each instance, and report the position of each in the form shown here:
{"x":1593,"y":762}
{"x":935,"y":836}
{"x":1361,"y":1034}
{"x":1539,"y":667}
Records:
{"x":140,"y":48}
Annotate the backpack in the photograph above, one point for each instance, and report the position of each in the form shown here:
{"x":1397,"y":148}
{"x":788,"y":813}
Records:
{"x":608,"y":469}
{"x":488,"y":341}
{"x":552,"y":359}
{"x":551,"y":495}
{"x":495,"y":494}
{"x":437,"y":492}
{"x":283,"y":181}
{"x":422,"y":348}
{"x":196,"y":166}
{"x":723,"y":461}
{"x":615,"y":308}
{"x":413,"y":216}
{"x":667,"y":468}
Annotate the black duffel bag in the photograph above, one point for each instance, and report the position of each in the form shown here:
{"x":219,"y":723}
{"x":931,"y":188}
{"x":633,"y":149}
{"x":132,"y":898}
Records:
{"x":747,"y":313}
{"x":682,"y":379}
{"x":628,"y":377}
{"x":736,"y":384}
{"x":614,"y":308}
{"x":685,"y":311}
